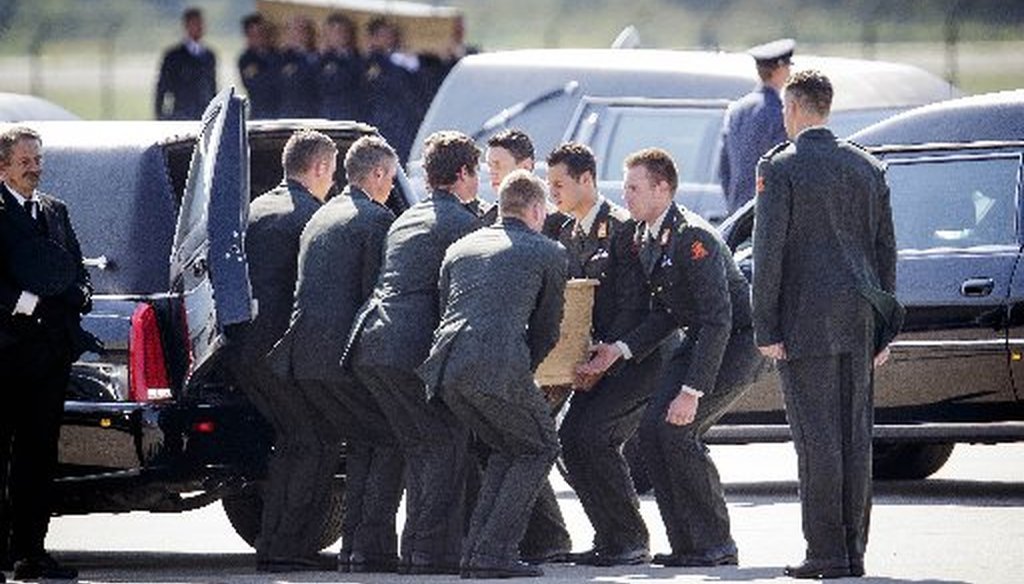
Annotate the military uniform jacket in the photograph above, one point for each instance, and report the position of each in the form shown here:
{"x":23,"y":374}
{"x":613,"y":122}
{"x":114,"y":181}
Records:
{"x":340,"y":80}
{"x":695,"y":286}
{"x":753,"y":125}
{"x":395,"y":326}
{"x":261,"y":75}
{"x":339,"y":260}
{"x":276,"y":220}
{"x":606,"y":254}
{"x":502,"y":290}
{"x":823,"y":230}
{"x":16,"y":226}
{"x":186,"y":84}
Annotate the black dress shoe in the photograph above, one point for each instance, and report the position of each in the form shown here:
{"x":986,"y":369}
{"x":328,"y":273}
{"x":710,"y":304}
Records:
{"x":425,"y":564}
{"x":367,"y":563}
{"x":43,"y":566}
{"x":559,"y":556}
{"x":725,"y":555}
{"x":857,"y":567}
{"x":629,"y":557}
{"x":505,"y":569}
{"x":818,"y":570}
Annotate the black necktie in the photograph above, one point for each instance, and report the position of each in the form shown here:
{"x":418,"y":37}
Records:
{"x":649,"y":253}
{"x":34,"y":213}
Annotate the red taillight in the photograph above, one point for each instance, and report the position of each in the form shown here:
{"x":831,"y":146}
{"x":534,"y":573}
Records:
{"x":204,"y":427}
{"x":147,"y":367}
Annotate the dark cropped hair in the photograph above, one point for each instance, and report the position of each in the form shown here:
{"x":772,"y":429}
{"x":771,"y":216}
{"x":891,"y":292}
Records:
{"x":191,"y":13}
{"x":577,"y":158}
{"x":378,"y":22}
{"x":304,"y":149}
{"x":251,"y":20}
{"x":447,"y":152}
{"x":11,"y":137}
{"x":659,"y":165}
{"x":515,"y":141}
{"x":812,"y":90}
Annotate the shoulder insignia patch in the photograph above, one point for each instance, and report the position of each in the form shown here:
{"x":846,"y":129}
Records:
{"x":698,"y":251}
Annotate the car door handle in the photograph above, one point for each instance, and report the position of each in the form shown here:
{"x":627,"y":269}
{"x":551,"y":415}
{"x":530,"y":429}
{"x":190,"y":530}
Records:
{"x":976,"y":287}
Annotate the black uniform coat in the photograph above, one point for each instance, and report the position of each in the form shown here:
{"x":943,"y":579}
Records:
{"x":261,"y":74}
{"x":186,"y":84}
{"x":502,"y":311}
{"x":339,"y":261}
{"x":692,"y":291}
{"x":823,"y":232}
{"x":276,"y":220}
{"x":341,"y":82}
{"x":394,"y":328}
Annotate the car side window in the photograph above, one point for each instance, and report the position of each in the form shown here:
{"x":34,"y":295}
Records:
{"x":689,"y":134}
{"x":954,"y":203}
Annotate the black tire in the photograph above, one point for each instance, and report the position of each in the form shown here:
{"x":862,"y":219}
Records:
{"x":901,"y":461}
{"x":245,"y":509}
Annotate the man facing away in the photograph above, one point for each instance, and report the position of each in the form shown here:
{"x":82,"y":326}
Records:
{"x":188,"y":74}
{"x":338,"y":264}
{"x":604,"y":414}
{"x":753,"y":123}
{"x":824,"y":245}
{"x":391,"y":337}
{"x":695,"y":287}
{"x":502,"y":291}
{"x":288,"y":539}
{"x":44,"y":290}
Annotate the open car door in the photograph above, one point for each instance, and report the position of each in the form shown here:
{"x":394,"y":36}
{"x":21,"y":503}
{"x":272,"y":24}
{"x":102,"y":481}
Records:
{"x":208,"y":264}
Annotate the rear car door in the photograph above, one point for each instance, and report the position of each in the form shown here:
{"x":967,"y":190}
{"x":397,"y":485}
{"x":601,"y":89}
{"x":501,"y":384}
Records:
{"x":689,"y":129}
{"x":208,"y":263}
{"x":956,"y":221}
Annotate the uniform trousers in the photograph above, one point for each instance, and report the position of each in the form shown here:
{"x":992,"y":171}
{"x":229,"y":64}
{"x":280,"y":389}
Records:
{"x":345,"y":410}
{"x":35,"y":374}
{"x":686,"y":483}
{"x":435,"y":446}
{"x":301,"y":468}
{"x":599,"y":422}
{"x":515,"y":422}
{"x":829,"y":407}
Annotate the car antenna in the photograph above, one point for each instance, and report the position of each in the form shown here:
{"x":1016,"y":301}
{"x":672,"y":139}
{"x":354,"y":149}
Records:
{"x":515,"y":110}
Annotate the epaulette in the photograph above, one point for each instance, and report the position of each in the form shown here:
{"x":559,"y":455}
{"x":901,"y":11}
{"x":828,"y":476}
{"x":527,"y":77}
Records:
{"x":775,"y":150}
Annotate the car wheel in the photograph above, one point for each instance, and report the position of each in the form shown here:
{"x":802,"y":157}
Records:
{"x":908,"y":461}
{"x":245,"y":510}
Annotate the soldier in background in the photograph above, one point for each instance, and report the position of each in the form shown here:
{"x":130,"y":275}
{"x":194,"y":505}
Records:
{"x":512,"y":266}
{"x":300,"y":62}
{"x":392,"y":92}
{"x":259,"y":66}
{"x":753,"y":123}
{"x":342,"y":71}
{"x":188,"y":74}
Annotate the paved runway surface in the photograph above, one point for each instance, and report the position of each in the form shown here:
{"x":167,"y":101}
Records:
{"x":965,"y":524}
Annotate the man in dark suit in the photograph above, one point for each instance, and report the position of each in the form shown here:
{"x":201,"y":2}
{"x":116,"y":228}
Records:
{"x":339,"y":261}
{"x":44,"y":290}
{"x":188,"y":74}
{"x":508,"y":150}
{"x":259,"y":66}
{"x":502,"y":291}
{"x":342,"y":72}
{"x":753,"y":123}
{"x":290,"y":526}
{"x":391,"y":338}
{"x":546,"y":538}
{"x":695,"y":287}
{"x":823,"y":240}
{"x":605,"y":415}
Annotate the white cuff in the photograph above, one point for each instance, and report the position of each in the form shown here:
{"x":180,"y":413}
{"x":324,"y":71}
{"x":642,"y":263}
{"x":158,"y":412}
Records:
{"x":624,"y":349}
{"x":691,"y":391}
{"x":26,"y":303}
